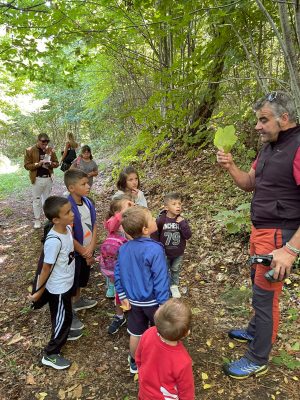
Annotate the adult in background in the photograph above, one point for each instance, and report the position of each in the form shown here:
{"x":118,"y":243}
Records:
{"x":275,"y":213}
{"x":69,"y":153}
{"x":86,"y":163}
{"x":40,"y":160}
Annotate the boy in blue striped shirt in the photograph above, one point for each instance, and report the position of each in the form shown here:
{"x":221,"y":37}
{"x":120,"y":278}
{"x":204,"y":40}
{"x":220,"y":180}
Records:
{"x":141,"y":275}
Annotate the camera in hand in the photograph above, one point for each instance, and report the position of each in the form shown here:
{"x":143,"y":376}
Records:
{"x":265,"y":260}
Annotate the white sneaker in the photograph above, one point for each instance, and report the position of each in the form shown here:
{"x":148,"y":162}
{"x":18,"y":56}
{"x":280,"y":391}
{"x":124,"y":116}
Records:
{"x":175,"y":292}
{"x":37,"y":224}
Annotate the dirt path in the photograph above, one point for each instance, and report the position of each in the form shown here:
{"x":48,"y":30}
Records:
{"x":99,"y":369}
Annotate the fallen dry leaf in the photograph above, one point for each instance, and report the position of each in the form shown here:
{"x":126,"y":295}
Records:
{"x":101,"y":369}
{"x":41,"y":395}
{"x":30,"y":380}
{"x":15,"y":339}
{"x":206,"y":386}
{"x":204,"y":376}
{"x":77,"y":393}
{"x":61,"y":394}
{"x":73,"y":369}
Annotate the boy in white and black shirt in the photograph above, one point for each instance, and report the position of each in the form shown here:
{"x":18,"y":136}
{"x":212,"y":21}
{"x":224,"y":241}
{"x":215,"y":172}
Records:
{"x":58,"y":273}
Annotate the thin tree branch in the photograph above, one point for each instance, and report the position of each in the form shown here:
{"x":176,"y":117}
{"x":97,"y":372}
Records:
{"x":10,"y":6}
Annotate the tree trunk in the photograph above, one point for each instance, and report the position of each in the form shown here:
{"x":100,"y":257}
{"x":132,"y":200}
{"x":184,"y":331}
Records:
{"x":204,"y":110}
{"x":286,"y":46}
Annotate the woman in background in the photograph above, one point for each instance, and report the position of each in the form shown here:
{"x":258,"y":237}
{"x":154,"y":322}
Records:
{"x":69,"y":153}
{"x":86,"y":163}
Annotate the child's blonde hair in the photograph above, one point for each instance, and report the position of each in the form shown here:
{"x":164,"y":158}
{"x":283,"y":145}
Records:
{"x":173,"y":319}
{"x":135,"y":219}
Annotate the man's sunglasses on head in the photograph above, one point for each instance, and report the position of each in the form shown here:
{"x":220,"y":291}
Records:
{"x":271,"y":96}
{"x":45,"y":140}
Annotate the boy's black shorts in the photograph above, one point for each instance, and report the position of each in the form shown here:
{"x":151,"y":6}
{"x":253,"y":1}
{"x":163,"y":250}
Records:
{"x":139,"y":319}
{"x":82,"y":273}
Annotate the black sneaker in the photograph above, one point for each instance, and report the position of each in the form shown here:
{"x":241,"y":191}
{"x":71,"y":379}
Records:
{"x":83,"y":304}
{"x":116,"y":324}
{"x":132,"y":365}
{"x":76,"y":323}
{"x":56,"y":361}
{"x":74,"y":335}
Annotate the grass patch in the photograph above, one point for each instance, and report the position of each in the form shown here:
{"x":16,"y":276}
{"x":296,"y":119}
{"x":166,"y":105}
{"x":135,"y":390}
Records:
{"x":14,"y":182}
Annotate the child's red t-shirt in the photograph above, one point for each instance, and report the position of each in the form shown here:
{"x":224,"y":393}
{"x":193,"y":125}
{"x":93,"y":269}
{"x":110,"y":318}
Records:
{"x":164,"y":371}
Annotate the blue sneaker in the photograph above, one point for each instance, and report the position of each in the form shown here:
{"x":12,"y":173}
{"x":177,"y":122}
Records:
{"x":116,"y":324}
{"x":240,"y":335}
{"x":132,"y":365}
{"x":243,"y":368}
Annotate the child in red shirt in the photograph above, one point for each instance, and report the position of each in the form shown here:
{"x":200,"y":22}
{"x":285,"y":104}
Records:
{"x":164,"y":365}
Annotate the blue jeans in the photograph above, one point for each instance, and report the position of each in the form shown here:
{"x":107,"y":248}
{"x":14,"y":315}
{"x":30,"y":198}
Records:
{"x":174,"y":266}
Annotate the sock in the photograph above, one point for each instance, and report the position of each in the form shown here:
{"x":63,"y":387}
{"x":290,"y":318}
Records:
{"x":120,"y":316}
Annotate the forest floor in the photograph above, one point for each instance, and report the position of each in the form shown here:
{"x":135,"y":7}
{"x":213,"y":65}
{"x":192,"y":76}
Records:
{"x":215,"y":280}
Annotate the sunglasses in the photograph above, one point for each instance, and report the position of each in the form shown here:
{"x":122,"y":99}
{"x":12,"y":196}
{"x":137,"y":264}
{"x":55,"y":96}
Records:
{"x":45,"y":141}
{"x":271,"y":96}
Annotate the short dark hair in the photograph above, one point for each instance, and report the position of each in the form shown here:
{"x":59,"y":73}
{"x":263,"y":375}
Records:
{"x":73,"y":175}
{"x":116,"y":204}
{"x":173,"y":319}
{"x":53,"y":205}
{"x":134,"y":220}
{"x":121,"y":184}
{"x":43,"y":136}
{"x":86,"y":148}
{"x":172,"y":196}
{"x":280,"y":102}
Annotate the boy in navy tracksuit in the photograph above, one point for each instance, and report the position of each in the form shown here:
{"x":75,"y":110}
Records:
{"x":141,"y":275}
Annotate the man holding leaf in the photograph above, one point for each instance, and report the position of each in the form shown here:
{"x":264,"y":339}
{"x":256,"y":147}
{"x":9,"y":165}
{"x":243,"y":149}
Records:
{"x":275,"y":213}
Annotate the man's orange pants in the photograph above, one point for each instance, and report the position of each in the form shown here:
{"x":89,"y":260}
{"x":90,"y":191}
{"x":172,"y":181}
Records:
{"x":264,"y":324}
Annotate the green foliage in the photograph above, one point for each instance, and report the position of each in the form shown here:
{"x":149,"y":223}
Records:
{"x":293,"y":315}
{"x":235,"y":221}
{"x":144,"y":146}
{"x":287,"y":360}
{"x":225,"y":138}
{"x":140,"y":65}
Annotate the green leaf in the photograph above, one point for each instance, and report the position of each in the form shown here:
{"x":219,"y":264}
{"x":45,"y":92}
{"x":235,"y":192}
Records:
{"x":225,"y":138}
{"x":296,"y":346}
{"x":286,"y":359}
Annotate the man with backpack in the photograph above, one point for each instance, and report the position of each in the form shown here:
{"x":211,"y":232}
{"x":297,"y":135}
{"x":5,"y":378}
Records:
{"x":40,"y":160}
{"x":56,"y":278}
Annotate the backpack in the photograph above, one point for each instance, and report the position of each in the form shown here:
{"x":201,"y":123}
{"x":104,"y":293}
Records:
{"x":109,"y":250}
{"x":35,"y":285}
{"x":70,"y":157}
